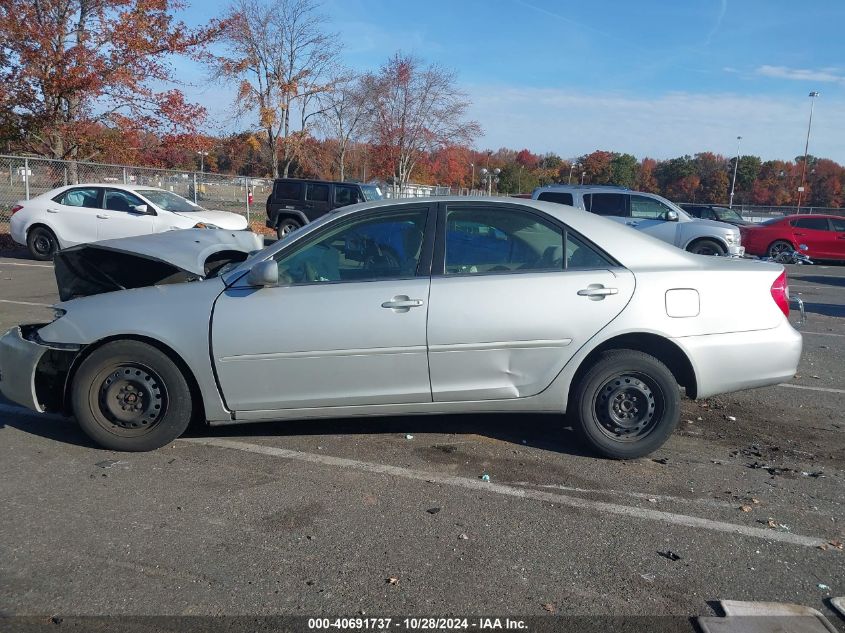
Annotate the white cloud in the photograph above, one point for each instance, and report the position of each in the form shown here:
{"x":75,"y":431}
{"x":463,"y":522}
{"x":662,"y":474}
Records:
{"x":573,"y":123}
{"x":826,"y":75}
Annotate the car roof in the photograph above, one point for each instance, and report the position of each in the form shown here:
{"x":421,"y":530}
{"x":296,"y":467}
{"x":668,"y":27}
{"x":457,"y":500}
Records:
{"x":112,"y":185}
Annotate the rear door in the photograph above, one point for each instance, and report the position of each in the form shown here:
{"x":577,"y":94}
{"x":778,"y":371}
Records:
{"x":816,"y":233}
{"x":317,"y":199}
{"x":514,"y":295}
{"x":120,"y":218}
{"x":73,"y":214}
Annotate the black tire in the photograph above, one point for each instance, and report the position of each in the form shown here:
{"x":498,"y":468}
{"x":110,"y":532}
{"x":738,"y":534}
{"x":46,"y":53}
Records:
{"x":707,"y":247}
{"x":778,"y":248}
{"x":42,"y":243}
{"x":604,"y":408}
{"x":286,"y":226}
{"x":129,"y":396}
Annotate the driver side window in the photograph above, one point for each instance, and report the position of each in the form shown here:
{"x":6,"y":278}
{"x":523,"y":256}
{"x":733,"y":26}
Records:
{"x":117,"y":200}
{"x":647,"y":208}
{"x":387,"y":246}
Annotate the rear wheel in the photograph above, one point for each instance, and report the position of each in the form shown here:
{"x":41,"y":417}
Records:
{"x":707,"y":247}
{"x":130,"y":396}
{"x":780,"y":248}
{"x":626,"y":404}
{"x":42,"y":243}
{"x":286,"y":227}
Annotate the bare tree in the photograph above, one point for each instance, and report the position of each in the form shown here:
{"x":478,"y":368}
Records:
{"x":345,"y":112}
{"x":415,"y":110}
{"x":281,"y":57}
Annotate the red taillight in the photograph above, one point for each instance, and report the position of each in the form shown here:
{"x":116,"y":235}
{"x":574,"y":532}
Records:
{"x":15,"y":209}
{"x":780,"y":293}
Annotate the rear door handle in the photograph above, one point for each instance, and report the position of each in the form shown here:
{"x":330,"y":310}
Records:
{"x":103,"y":217}
{"x":402,"y":303}
{"x":800,"y":234}
{"x":632,"y":223}
{"x":597,"y":292}
{"x":52,"y":210}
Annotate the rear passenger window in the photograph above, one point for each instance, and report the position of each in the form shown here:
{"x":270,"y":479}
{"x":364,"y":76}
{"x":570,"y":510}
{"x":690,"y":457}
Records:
{"x":556,"y":196}
{"x":607,"y":203}
{"x":838,"y":225}
{"x":288,"y":190}
{"x":78,"y":197}
{"x":317,"y":193}
{"x":816,"y":224}
{"x":581,"y":255}
{"x":345,"y":195}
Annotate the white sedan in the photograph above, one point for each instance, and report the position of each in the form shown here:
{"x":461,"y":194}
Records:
{"x":84,"y":213}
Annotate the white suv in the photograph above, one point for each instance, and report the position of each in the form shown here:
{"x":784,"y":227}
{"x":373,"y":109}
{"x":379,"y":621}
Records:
{"x":649,"y":213}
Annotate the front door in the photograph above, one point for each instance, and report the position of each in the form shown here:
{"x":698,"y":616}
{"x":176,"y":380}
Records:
{"x":345,"y":326}
{"x":120,"y":218}
{"x":816,"y":234}
{"x":515,"y":296}
{"x":650,"y":216}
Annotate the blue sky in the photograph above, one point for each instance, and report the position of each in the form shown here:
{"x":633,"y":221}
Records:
{"x":653,"y":78}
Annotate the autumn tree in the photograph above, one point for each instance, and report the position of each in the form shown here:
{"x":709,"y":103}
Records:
{"x":345,"y":109}
{"x":73,"y":69}
{"x":415,"y":109}
{"x":282,"y":58}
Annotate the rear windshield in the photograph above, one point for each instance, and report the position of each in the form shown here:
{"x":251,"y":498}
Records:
{"x":771,"y":221}
{"x":556,"y":196}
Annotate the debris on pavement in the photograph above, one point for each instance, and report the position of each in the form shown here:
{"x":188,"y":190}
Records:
{"x":814,"y":474}
{"x":745,"y":508}
{"x":775,"y":525}
{"x":408,"y":436}
{"x":670,"y":555}
{"x":109,"y":463}
{"x":463,"y":537}
{"x":648,"y":577}
{"x":731,"y":418}
{"x":392,"y":580}
{"x":433,"y":510}
{"x":551,"y":608}
{"x":485,"y":477}
{"x":661,"y":460}
{"x":823,"y":586}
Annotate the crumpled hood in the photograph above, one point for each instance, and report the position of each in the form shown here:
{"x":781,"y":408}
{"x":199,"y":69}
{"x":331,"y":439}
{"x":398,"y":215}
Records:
{"x":222,"y":219}
{"x":148,"y":260}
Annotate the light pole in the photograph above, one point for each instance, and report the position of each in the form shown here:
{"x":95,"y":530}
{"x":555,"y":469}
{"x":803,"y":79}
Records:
{"x":583,"y":173}
{"x":571,"y":167}
{"x":202,"y":159}
{"x":812,"y":96}
{"x":490,"y":176}
{"x":472,"y":182}
{"x":736,"y":164}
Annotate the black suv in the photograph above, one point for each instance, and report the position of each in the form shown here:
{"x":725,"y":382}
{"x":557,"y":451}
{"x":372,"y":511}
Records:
{"x":295,"y":202}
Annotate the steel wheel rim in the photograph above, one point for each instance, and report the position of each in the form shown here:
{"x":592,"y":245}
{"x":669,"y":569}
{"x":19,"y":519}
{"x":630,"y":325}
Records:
{"x":128,"y":399}
{"x":286,"y":229}
{"x":628,"y":406}
{"x":42,"y":243}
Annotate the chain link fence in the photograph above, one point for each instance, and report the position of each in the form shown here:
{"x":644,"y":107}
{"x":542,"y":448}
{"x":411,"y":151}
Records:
{"x":22,"y":178}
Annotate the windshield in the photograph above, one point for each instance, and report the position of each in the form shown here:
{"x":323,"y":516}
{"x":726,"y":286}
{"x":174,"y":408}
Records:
{"x":371,"y":192}
{"x":169,"y":201}
{"x":724,"y":213}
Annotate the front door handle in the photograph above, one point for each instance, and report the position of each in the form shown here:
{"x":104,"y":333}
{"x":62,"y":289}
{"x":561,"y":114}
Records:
{"x":402,"y":303}
{"x":52,"y":210}
{"x":597,"y":292}
{"x":103,"y":217}
{"x":801,"y":234}
{"x":632,"y":223}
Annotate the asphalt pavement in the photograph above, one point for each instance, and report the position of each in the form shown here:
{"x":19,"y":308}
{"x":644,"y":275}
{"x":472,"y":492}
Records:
{"x":392,"y":516}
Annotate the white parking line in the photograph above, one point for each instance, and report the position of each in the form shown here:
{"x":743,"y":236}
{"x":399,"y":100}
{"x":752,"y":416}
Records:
{"x":825,"y":389}
{"x":821,"y":333}
{"x":26,"y":303}
{"x":24,"y":264}
{"x":511,"y":491}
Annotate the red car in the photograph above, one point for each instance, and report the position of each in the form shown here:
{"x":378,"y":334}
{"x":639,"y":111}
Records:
{"x":824,"y":236}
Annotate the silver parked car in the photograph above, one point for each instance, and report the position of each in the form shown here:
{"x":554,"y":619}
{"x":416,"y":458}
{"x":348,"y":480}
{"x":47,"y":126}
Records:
{"x":649,"y":213}
{"x":448,"y":305}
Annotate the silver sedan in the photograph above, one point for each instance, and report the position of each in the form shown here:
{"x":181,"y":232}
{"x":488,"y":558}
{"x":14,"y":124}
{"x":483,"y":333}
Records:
{"x":448,"y":305}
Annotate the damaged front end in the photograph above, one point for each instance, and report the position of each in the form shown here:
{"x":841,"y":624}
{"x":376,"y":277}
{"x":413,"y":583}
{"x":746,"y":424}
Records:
{"x":32,"y":371}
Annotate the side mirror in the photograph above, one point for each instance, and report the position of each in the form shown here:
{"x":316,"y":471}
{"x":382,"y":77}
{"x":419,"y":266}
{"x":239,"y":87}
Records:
{"x":143,"y":209}
{"x":264,"y":273}
{"x":671,"y":216}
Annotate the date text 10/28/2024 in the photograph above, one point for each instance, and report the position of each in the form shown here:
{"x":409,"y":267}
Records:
{"x":417,"y":624}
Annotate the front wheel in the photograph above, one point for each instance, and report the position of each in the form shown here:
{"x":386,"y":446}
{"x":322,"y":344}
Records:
{"x":130,"y":396}
{"x":286,"y":227}
{"x":42,"y":243}
{"x":707,"y":247}
{"x":626,"y":404}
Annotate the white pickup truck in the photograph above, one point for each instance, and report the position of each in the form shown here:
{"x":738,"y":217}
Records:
{"x":649,"y":213}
